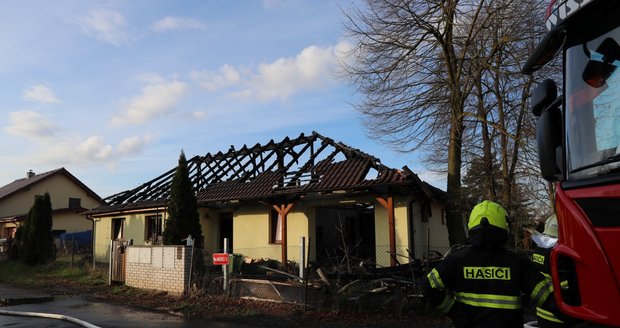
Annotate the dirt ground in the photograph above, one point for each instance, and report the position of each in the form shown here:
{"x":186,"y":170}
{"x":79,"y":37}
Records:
{"x":250,"y":312}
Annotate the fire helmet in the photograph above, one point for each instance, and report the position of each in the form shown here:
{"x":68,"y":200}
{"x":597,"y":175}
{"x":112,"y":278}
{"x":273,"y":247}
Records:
{"x":488,"y":213}
{"x":551,"y":226}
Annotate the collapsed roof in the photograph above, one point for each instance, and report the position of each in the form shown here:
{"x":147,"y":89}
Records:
{"x":278,"y":171}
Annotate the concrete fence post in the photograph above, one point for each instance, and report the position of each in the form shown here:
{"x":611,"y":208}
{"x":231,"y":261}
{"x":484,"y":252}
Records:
{"x":302,"y":257}
{"x":225,"y":267}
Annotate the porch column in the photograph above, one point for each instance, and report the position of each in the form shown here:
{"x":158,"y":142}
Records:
{"x":388,"y":203}
{"x":283,"y":211}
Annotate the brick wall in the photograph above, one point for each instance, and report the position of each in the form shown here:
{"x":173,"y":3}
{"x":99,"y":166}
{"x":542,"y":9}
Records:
{"x":158,"y":267}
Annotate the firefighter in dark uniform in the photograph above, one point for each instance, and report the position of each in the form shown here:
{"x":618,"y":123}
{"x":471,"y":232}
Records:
{"x":540,"y":257}
{"x":481,"y":285}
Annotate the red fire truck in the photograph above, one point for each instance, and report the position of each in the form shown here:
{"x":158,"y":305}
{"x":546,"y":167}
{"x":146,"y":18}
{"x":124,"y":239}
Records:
{"x":578,"y":135}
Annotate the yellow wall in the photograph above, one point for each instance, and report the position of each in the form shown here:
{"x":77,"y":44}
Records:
{"x":71,"y":222}
{"x":210,"y":228}
{"x":134,"y":228}
{"x":437,"y":230}
{"x":251,"y":232}
{"x":58,"y":186}
{"x":60,"y":189}
{"x":102,"y":236}
{"x":401,"y":227}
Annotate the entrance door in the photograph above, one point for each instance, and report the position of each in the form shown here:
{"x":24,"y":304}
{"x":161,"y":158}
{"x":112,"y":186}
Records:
{"x":226,"y":230}
{"x":117,"y":256}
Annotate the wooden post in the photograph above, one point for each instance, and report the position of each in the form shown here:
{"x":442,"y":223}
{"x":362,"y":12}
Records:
{"x":283,"y":212}
{"x":389,"y":206}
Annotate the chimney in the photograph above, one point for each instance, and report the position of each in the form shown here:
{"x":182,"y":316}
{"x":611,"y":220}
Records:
{"x":29,"y":174}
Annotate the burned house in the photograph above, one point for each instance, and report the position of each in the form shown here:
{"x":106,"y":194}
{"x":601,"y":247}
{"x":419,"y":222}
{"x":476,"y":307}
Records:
{"x":263,"y":198}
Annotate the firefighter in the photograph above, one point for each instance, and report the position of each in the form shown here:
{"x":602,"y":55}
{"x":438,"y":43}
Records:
{"x":481,"y":285}
{"x":541,"y":256}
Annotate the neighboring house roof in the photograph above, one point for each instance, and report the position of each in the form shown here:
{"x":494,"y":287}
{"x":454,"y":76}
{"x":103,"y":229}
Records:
{"x":276,"y":170}
{"x":24,"y":183}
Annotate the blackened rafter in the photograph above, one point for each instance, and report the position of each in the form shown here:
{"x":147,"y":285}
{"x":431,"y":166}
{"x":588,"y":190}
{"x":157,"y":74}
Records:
{"x":247,"y":163}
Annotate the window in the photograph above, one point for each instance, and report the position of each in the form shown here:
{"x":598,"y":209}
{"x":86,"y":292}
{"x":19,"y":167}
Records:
{"x":275,"y":227}
{"x":425,"y":211}
{"x":117,"y":228}
{"x":75,"y":202}
{"x":443,"y":216}
{"x":152,"y":227}
{"x":423,"y":214}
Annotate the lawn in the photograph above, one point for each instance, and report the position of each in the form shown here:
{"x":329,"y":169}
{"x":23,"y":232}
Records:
{"x":61,"y":271}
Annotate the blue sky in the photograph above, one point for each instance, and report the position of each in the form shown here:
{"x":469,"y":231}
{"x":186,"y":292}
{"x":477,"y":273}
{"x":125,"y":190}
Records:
{"x":114,"y":90}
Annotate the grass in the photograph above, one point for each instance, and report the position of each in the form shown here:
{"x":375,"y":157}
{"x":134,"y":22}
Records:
{"x":18,"y":273}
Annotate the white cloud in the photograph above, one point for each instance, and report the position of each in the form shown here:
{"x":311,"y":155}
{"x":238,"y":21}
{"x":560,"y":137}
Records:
{"x":312,"y":69}
{"x":41,"y":94}
{"x":154,"y":101}
{"x":31,"y":125}
{"x":178,"y":23}
{"x":89,"y":150}
{"x":199,"y":115}
{"x":94,"y":148}
{"x":212,"y":81}
{"x":107,"y":26}
{"x":132,"y":145}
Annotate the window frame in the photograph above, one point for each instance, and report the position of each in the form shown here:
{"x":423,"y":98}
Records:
{"x":149,"y":227}
{"x":275,"y":221}
{"x":113,"y":231}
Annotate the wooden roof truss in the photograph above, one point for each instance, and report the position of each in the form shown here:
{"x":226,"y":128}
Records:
{"x":294,"y":159}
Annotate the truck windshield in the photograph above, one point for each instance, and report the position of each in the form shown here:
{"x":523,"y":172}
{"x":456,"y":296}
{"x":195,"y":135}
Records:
{"x":592,"y":99}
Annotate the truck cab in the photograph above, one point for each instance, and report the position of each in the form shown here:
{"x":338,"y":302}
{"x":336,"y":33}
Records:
{"x":578,"y":135}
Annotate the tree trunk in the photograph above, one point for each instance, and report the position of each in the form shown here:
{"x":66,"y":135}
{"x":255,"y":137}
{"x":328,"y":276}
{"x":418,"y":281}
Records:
{"x":454,"y":217}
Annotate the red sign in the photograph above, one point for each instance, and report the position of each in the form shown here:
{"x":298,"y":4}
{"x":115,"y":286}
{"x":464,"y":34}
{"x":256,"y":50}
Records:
{"x":220,"y":258}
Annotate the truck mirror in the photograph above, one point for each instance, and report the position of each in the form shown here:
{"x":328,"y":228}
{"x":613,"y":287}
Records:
{"x":543,"y":96}
{"x":549,"y":139}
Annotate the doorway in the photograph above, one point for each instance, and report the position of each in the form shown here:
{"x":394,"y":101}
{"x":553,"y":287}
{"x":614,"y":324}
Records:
{"x":345,"y":231}
{"x":226,"y":230}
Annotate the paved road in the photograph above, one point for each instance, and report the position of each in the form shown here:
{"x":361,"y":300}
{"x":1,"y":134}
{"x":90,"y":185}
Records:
{"x":97,"y":313}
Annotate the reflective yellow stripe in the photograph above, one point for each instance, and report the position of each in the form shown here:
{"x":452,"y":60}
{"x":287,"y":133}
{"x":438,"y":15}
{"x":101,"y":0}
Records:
{"x":544,"y":314}
{"x":490,"y":300}
{"x":542,"y":291}
{"x":537,"y":258}
{"x":446,"y":304}
{"x":435,"y":280}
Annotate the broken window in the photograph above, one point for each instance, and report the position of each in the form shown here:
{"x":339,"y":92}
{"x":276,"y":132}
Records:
{"x":275,"y":227}
{"x":153,"y":226}
{"x":117,"y":228}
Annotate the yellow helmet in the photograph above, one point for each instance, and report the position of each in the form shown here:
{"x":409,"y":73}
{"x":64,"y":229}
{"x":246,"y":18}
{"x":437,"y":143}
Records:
{"x":494,"y":213}
{"x":551,"y":226}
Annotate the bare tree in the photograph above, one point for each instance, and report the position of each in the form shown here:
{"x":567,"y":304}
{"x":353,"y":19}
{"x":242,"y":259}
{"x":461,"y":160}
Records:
{"x":444,"y":77}
{"x":416,"y":64}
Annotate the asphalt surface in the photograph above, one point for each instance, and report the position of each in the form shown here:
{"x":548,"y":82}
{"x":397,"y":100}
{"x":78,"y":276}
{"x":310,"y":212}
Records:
{"x":95,"y":313}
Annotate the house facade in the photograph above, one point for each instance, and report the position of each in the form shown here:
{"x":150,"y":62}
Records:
{"x":69,"y":197}
{"x":264,"y":198}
